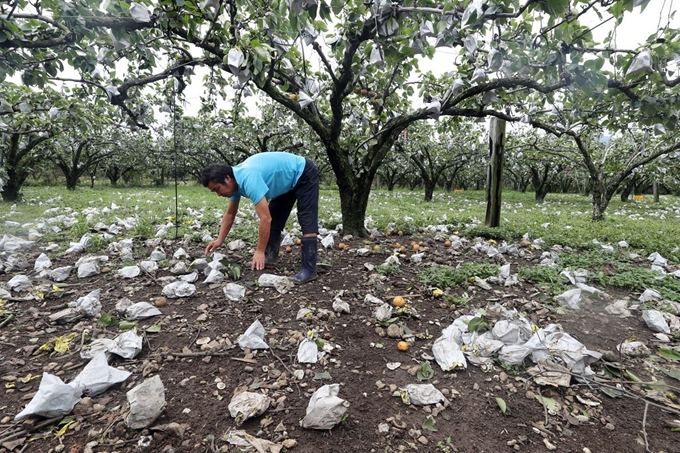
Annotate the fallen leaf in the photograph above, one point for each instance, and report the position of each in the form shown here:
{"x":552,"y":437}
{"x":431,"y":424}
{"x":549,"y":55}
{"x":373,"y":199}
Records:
{"x":549,"y":403}
{"x":428,"y":424}
{"x":503,"y":406}
{"x":669,"y":354}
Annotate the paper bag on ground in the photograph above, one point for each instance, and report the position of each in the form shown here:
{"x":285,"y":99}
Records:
{"x":97,"y":375}
{"x":253,"y":338}
{"x":54,"y":398}
{"x":246,"y":405}
{"x":422,"y":394}
{"x":325,"y":408}
{"x":448,"y":354}
{"x":307,"y":351}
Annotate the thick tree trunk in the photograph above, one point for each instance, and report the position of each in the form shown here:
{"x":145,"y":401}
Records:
{"x":353,"y":203}
{"x":10,"y":191}
{"x":114,"y":175}
{"x":627,"y":191}
{"x":429,"y":190}
{"x":71,"y":180}
{"x":600,"y":201}
{"x":494,"y":184}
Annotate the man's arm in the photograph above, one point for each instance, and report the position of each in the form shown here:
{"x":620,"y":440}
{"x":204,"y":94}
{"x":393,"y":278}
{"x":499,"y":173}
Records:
{"x":227,"y":222}
{"x":262,"y":210}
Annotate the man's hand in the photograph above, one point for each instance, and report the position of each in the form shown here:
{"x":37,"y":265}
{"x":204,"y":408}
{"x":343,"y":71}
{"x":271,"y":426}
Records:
{"x":214,"y":245}
{"x":258,"y":261}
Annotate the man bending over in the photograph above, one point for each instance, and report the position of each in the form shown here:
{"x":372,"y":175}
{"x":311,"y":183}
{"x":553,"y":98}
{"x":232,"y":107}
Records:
{"x":273,"y":181}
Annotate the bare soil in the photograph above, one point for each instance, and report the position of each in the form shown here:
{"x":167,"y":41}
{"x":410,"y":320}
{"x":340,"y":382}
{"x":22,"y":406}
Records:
{"x":196,"y":418}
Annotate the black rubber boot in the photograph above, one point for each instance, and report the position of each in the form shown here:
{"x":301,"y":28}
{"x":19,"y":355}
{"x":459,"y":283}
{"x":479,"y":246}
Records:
{"x":308,"y":271}
{"x":271,"y":253}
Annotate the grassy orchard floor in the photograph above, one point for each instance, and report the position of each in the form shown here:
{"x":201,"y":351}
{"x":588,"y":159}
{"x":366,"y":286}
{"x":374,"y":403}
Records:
{"x":563,"y":219}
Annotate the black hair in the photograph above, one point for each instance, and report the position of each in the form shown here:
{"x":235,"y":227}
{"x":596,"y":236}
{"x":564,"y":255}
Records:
{"x":216,"y":173}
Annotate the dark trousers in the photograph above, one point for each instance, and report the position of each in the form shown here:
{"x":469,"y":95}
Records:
{"x":306,"y":193}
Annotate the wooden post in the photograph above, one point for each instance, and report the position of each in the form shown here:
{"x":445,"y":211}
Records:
{"x":494,"y":180}
{"x":655,"y":187}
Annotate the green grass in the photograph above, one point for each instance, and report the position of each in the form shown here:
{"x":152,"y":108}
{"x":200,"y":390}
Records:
{"x":452,"y":277}
{"x":624,"y":275}
{"x":563,"y":219}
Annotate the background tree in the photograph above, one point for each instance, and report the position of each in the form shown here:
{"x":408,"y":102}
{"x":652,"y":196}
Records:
{"x":28,"y":120}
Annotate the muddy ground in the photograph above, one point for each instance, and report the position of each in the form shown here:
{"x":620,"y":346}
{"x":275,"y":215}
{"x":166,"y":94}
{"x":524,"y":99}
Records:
{"x":196,"y":355}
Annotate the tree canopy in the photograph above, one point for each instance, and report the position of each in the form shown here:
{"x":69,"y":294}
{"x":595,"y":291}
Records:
{"x":349,"y":69}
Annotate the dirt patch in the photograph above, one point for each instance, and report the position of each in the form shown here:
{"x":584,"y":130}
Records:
{"x":200,"y":381}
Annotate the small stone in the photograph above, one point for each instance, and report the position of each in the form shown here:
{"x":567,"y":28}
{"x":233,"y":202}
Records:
{"x":248,"y":369}
{"x":383,"y":428}
{"x":83,"y":406}
{"x":289,"y":443}
{"x":394,"y":331}
{"x":422,"y":440}
{"x":548,"y":445}
{"x":609,"y":426}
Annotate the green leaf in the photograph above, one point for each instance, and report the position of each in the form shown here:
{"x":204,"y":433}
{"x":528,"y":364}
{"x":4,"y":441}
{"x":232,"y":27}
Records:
{"x":673,"y":373}
{"x":107,"y":319}
{"x":127,"y":325}
{"x":612,"y":393}
{"x":503,"y":407}
{"x":478,"y":324}
{"x":428,"y":424}
{"x":337,"y":5}
{"x":669,"y":354}
{"x":425,"y":372}
{"x":154,"y":329}
{"x":632,"y":377}
{"x":326,"y":376}
{"x":549,"y":403}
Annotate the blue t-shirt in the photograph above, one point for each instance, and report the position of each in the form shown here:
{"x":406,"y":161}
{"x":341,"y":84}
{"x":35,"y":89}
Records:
{"x":267,"y":175}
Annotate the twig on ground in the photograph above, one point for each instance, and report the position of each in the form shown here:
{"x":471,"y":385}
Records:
{"x":198,"y":332}
{"x":22,"y":432}
{"x":280,"y":360}
{"x":7,"y":320}
{"x":644,"y":426}
{"x":545,"y":407}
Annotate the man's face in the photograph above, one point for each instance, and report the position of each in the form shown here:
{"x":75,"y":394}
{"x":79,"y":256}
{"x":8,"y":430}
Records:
{"x":223,"y":189}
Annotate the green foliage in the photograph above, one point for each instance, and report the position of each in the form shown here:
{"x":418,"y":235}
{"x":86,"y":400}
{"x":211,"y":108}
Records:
{"x":547,"y":277}
{"x":540,"y":274}
{"x":460,"y":301}
{"x":388,"y":269}
{"x":478,"y":324}
{"x":107,"y":320}
{"x":429,"y":423}
{"x":452,"y":277}
{"x":503,"y":233}
{"x":425,"y":372}
{"x":144,"y":228}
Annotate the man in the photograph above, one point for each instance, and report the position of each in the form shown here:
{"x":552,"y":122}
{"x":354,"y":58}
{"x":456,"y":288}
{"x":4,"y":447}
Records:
{"x":281,"y":178}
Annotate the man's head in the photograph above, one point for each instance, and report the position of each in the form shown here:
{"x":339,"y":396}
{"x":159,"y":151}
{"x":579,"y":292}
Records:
{"x":219,"y":178}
